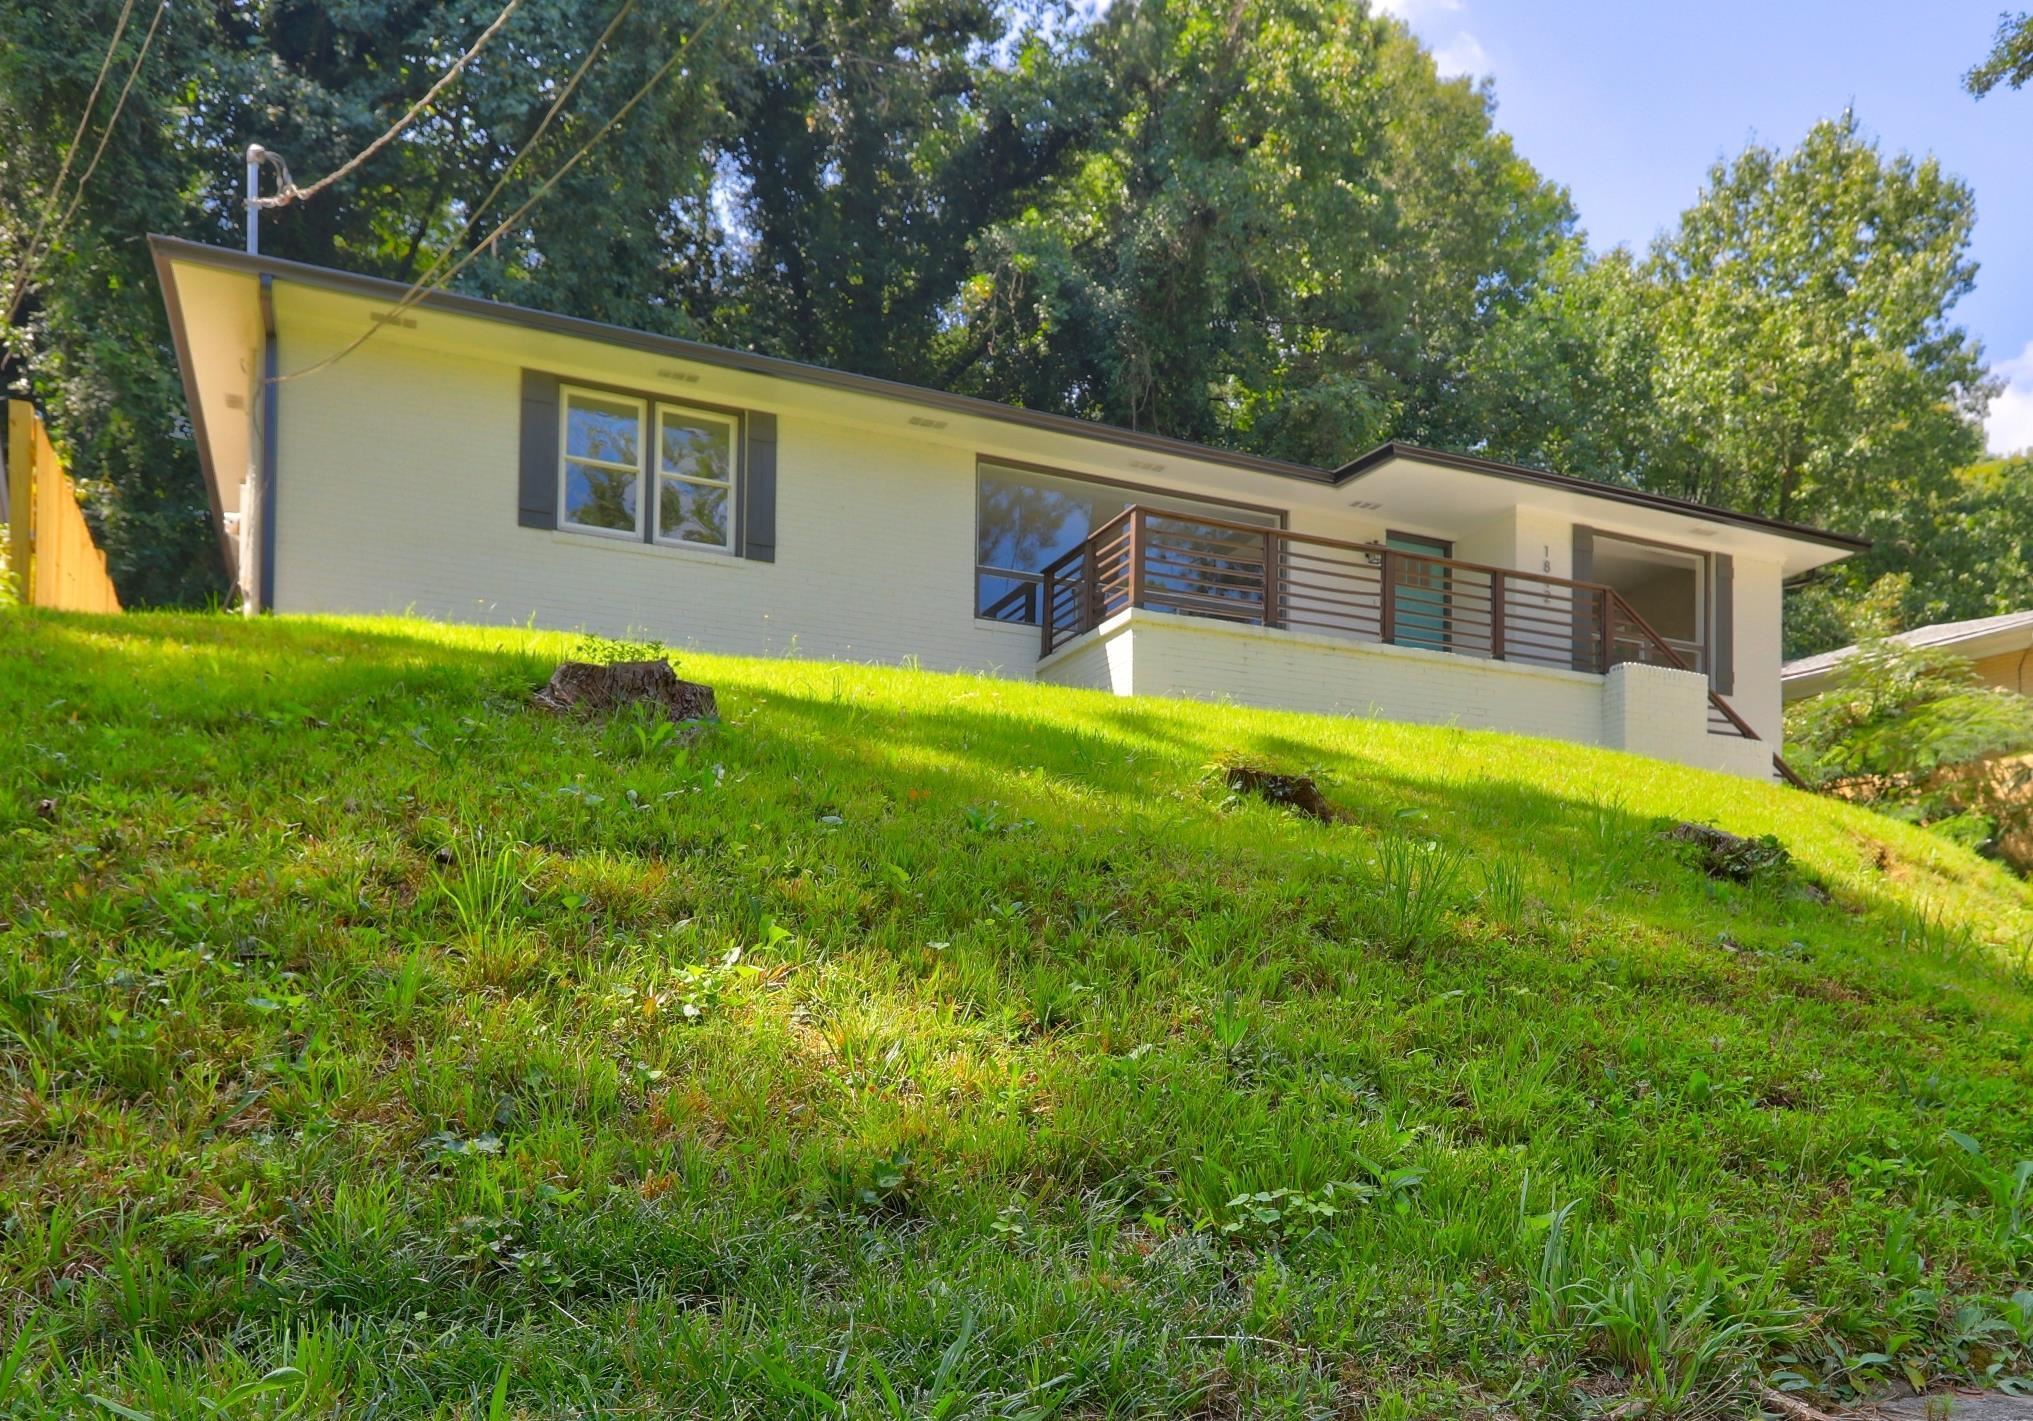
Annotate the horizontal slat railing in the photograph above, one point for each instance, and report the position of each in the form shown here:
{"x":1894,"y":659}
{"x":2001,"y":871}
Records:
{"x":1206,"y":567}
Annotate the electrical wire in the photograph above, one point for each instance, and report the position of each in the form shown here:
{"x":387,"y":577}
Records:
{"x":423,"y":286}
{"x":31,"y":251}
{"x":119,"y":104}
{"x":473,"y":217}
{"x":292,"y":193}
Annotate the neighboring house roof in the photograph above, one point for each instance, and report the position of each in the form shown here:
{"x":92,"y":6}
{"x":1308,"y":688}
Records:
{"x":1974,"y":639}
{"x":1807,"y":547}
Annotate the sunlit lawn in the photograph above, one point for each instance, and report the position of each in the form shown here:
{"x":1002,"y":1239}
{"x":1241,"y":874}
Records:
{"x":914,"y":1045}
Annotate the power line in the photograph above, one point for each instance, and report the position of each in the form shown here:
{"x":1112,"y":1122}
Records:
{"x":424,"y":285}
{"x":70,"y":154}
{"x":292,"y":193}
{"x":119,"y":104}
{"x":473,"y":217}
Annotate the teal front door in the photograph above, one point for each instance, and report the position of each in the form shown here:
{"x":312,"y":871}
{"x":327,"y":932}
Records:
{"x":1419,"y":592}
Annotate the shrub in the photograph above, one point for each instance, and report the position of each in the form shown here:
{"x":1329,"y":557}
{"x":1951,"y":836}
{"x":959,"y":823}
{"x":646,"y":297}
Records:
{"x":1910,"y":732}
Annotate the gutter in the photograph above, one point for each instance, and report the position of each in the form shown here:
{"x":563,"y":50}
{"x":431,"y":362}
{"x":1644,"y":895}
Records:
{"x":270,"y":398}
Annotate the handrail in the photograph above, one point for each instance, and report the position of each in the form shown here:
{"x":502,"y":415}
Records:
{"x":1728,"y":711}
{"x":1126,"y":563}
{"x":1024,"y":594}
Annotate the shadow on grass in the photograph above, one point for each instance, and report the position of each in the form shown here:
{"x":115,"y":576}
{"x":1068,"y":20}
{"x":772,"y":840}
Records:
{"x":1150,"y":758}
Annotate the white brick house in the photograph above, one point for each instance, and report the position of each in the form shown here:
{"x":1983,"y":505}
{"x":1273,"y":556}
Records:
{"x":484,"y":462}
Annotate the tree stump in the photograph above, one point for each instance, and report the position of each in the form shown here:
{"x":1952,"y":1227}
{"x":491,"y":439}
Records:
{"x":1292,"y":791}
{"x":592,"y":688}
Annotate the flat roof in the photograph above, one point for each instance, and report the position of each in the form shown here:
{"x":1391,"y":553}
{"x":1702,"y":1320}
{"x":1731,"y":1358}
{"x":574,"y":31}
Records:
{"x":169,"y":250}
{"x":1383,"y":454}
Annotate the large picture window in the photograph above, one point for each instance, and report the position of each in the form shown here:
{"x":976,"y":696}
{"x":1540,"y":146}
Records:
{"x":1025,"y":520}
{"x":678,"y":489}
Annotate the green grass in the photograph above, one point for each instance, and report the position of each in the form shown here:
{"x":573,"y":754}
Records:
{"x":913,"y":1045}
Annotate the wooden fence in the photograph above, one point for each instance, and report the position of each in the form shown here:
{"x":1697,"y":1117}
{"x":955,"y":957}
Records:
{"x":50,"y":553}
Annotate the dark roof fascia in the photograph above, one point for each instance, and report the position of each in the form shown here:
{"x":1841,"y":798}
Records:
{"x":229,"y":553}
{"x":452,"y":303}
{"x":1589,"y":488}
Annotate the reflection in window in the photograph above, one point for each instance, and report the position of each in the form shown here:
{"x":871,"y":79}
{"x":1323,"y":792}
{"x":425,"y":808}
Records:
{"x":607,"y":483}
{"x":603,"y":463}
{"x":695,"y":477}
{"x":1026,"y":520}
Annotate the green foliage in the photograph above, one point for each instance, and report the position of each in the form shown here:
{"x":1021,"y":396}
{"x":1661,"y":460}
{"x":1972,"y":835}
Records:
{"x":1902,"y":714}
{"x":925,"y":1044}
{"x":1808,"y":368}
{"x":1910,"y":731}
{"x":2010,"y":61}
{"x":1269,"y":226}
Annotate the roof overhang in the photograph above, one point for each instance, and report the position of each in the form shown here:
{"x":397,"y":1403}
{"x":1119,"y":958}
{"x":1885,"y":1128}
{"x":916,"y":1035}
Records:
{"x":1415,"y":485}
{"x":1811,"y":675}
{"x":218,"y":314}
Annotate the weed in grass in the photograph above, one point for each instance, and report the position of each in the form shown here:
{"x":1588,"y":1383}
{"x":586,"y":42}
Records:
{"x":1416,"y":879}
{"x":1503,"y":891}
{"x":1687,"y":1336}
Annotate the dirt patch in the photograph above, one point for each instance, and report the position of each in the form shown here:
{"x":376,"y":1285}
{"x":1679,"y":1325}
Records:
{"x":590,"y":688}
{"x":1291,"y":791}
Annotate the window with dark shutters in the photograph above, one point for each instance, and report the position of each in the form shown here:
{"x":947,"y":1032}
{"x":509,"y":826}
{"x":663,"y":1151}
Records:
{"x":604,"y":462}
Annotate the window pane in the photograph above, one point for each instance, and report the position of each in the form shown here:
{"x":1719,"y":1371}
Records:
{"x":1026,"y":520}
{"x":697,"y":448}
{"x":694,"y":513}
{"x":600,"y":498}
{"x":610,"y":430}
{"x":1005,"y":599}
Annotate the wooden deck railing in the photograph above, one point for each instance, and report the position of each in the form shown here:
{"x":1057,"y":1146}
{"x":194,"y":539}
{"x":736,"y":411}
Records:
{"x":1270,"y":577}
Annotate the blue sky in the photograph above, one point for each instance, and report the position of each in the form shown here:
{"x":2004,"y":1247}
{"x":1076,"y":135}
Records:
{"x":1628,"y":103}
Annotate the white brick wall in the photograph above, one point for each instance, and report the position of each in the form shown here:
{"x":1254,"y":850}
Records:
{"x":397,"y":492}
{"x":1645,"y":709}
{"x":1757,"y":594}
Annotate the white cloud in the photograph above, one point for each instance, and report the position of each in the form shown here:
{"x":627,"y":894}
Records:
{"x":1456,"y":51}
{"x":1412,"y":11}
{"x":2009,"y":427}
{"x":1463,"y":54}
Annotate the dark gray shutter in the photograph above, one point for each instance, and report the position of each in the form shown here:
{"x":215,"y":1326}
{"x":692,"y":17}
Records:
{"x":538,"y":507}
{"x":758,"y":491}
{"x":1725,"y":638}
{"x":1587,"y":656}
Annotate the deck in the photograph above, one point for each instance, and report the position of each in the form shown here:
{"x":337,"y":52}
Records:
{"x":1150,"y":560}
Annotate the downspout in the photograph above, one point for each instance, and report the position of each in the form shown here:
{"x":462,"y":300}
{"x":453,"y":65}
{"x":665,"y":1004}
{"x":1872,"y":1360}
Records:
{"x":265,"y":593}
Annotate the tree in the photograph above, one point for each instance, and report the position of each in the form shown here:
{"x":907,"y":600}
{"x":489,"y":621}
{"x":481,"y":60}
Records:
{"x":870,"y":145}
{"x":2010,"y":60}
{"x":1909,"y":732}
{"x":317,"y":82}
{"x":1285,"y":237}
{"x":1808,"y":369}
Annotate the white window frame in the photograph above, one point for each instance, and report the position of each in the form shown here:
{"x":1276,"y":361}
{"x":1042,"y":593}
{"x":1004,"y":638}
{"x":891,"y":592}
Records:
{"x":566,"y":459}
{"x":654,"y":464}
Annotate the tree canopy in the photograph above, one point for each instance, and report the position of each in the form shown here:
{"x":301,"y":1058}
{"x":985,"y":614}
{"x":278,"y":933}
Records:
{"x":1264,"y":224}
{"x":2010,"y":61}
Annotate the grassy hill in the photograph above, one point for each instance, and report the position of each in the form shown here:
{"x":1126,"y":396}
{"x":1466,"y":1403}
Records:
{"x":915,"y":1045}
